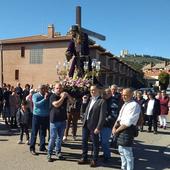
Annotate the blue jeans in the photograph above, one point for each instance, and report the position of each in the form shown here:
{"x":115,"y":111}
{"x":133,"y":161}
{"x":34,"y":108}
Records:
{"x":39,"y":124}
{"x":105,"y":135}
{"x":127,"y":159}
{"x":86,"y":133}
{"x":56,"y":136}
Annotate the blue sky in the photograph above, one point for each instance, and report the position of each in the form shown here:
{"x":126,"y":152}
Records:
{"x":141,"y":26}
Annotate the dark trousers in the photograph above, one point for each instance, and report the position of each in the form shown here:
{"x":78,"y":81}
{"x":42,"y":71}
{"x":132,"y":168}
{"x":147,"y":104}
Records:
{"x":86,"y":133}
{"x":79,"y":63}
{"x":24,"y":128}
{"x":13,"y":121}
{"x":152,"y":121}
{"x":39,"y":124}
{"x":72,"y":117}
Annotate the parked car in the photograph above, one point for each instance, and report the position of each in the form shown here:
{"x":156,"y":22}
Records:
{"x":168,"y":91}
{"x":147,"y":89}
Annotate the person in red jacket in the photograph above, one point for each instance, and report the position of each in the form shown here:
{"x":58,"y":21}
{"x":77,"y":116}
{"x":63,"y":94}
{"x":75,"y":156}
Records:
{"x":164,"y":100}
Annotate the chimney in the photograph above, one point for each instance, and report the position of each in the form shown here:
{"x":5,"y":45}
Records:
{"x":51,"y":31}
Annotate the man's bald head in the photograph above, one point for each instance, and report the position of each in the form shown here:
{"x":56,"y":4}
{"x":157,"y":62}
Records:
{"x":42,"y":88}
{"x":127,"y":94}
{"x":58,"y":88}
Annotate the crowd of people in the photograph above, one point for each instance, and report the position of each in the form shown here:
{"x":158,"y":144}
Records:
{"x":106,"y":114}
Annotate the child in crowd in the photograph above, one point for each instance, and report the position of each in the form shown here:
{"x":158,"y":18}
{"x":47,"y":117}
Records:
{"x":23,"y":120}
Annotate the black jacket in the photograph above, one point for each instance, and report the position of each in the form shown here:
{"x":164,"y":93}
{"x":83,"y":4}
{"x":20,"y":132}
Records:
{"x":156,"y":107}
{"x":126,"y":137}
{"x":142,"y":103}
{"x":113,"y":108}
{"x":97,"y":114}
{"x":23,"y":117}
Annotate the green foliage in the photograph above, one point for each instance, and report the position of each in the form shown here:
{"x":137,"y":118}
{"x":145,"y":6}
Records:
{"x":137,"y":62}
{"x":163,"y":80}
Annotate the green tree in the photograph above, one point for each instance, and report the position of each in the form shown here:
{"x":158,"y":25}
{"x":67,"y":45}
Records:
{"x":163,"y":80}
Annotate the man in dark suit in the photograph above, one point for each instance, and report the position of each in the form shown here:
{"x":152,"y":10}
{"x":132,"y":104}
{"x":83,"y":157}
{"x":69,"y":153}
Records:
{"x":93,"y":121}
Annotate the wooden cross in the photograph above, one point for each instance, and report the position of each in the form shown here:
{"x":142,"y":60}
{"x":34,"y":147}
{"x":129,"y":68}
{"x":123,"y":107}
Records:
{"x":81,"y":29}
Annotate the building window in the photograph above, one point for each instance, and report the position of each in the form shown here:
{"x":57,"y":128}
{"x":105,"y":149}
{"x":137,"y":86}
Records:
{"x":22,"y":51}
{"x":107,"y":61}
{"x":111,"y":64}
{"x":36,"y":55}
{"x":103,"y":60}
{"x":102,"y":78}
{"x":110,"y":79}
{"x":16,"y":74}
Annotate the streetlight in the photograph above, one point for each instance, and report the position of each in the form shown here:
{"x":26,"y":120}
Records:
{"x":58,"y":65}
{"x":66,"y":65}
{"x":62,"y":71}
{"x":96,"y":66}
{"x":86,"y":66}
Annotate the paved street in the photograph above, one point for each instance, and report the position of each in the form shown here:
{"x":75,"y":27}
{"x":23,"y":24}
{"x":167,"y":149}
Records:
{"x":151,"y":153}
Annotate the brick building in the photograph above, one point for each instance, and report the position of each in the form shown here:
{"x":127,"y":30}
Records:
{"x":33,"y":60}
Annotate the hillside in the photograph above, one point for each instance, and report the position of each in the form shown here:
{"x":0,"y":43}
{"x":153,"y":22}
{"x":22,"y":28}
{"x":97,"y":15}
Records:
{"x":138,"y":61}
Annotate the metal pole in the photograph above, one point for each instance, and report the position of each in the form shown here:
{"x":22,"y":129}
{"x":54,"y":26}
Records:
{"x":78,"y":16}
{"x":2,"y":77}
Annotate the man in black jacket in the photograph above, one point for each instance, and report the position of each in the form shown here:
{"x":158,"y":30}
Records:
{"x":93,"y":121}
{"x":113,"y":111}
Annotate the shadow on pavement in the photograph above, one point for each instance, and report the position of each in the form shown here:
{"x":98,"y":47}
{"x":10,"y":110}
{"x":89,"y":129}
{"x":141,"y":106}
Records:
{"x":150,"y":157}
{"x":72,"y":145}
{"x":3,"y":140}
{"x":5,"y":130}
{"x":113,"y":163}
{"x":164,"y":132}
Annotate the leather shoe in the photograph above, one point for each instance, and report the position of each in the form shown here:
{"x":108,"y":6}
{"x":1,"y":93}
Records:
{"x":83,"y":161}
{"x":93,"y":163}
{"x":155,"y":132}
{"x":60,"y":156}
{"x":33,"y":152}
{"x":49,"y":158}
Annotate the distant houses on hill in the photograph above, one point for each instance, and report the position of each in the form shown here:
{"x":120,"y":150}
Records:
{"x":126,"y":54}
{"x":152,"y":71}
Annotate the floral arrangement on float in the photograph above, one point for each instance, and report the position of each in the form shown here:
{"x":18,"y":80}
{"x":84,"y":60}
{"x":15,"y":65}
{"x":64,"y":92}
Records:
{"x":76,"y":86}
